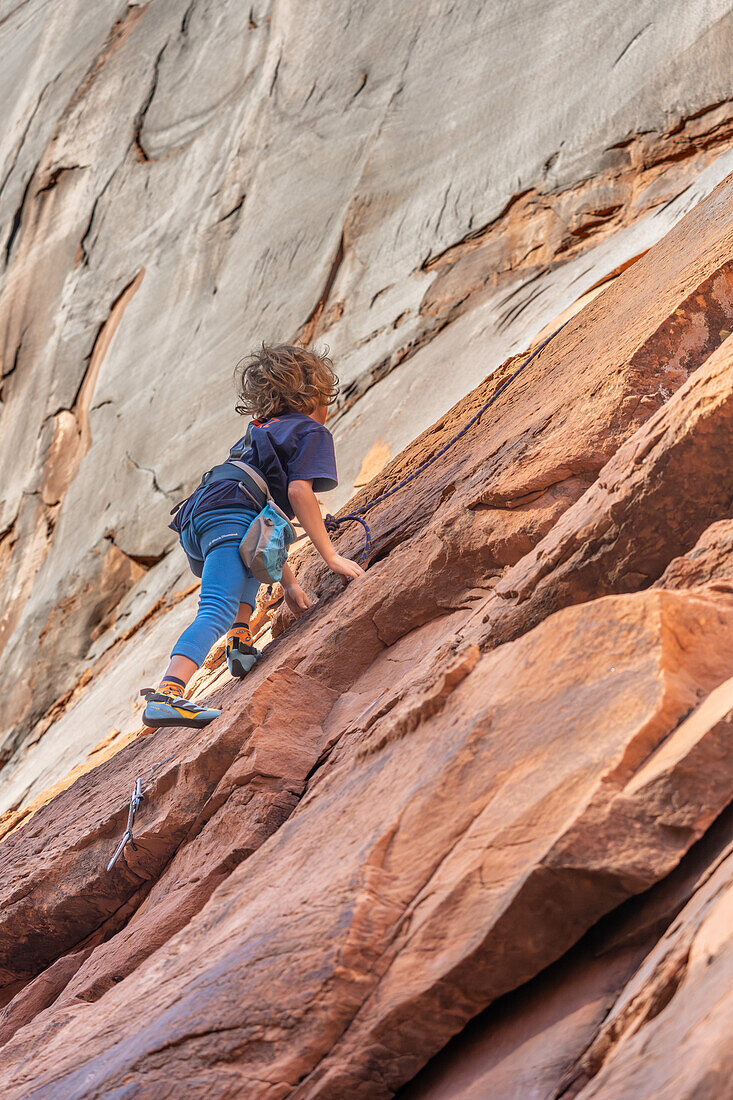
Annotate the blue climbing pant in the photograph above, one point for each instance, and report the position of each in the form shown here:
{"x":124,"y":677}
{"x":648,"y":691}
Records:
{"x":213,"y":539}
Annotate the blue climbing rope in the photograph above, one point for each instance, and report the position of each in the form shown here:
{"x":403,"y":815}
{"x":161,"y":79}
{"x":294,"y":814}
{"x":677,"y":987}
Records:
{"x":357,"y":516}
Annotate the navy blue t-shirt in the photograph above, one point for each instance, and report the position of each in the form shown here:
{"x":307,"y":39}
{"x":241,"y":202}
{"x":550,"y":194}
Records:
{"x":289,"y":447}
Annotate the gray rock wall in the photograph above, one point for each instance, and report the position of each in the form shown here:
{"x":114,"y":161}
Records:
{"x":423,"y":187}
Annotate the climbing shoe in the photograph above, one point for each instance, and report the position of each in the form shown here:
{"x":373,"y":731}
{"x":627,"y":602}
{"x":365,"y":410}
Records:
{"x":241,"y":657}
{"x":173,"y":710}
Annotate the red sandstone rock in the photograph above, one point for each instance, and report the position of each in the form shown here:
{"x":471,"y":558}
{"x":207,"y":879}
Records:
{"x":621,"y":533}
{"x":389,"y":937}
{"x":551,"y":1037}
{"x":710,"y":562}
{"x":43,"y":873}
{"x":670,"y":1032}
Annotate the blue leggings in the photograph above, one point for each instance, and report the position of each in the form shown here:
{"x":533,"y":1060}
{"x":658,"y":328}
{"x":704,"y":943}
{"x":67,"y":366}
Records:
{"x":225,"y":580}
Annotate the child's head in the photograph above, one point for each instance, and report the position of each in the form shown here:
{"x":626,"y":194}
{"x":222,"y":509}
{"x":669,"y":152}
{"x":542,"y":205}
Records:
{"x":282,"y":377}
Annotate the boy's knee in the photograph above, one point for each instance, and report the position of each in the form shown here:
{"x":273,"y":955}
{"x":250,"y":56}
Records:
{"x":222,"y":616}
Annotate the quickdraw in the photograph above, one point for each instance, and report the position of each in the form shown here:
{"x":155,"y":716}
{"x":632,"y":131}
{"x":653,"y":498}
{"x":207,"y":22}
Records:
{"x":135,"y":799}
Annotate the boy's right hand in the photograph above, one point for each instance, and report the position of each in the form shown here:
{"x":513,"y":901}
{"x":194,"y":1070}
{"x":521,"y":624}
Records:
{"x":295,"y":598}
{"x":344,"y":567}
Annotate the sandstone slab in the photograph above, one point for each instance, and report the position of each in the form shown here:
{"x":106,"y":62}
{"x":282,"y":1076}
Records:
{"x":552,"y":824}
{"x":710,"y":562}
{"x":550,"y":1037}
{"x":624,"y":530}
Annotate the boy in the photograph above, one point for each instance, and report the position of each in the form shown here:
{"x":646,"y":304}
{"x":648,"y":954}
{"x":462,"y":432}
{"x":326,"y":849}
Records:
{"x":287,"y":390}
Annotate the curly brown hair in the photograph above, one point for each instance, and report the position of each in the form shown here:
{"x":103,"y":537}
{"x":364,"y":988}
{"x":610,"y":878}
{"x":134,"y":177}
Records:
{"x":284,"y":376}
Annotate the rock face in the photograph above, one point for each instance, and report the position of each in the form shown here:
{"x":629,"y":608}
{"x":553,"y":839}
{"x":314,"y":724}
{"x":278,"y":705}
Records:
{"x":465,"y":830}
{"x":423,"y":187}
{"x":586,"y":1025}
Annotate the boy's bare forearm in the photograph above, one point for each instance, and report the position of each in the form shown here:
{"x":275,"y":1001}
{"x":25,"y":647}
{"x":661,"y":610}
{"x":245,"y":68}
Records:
{"x":288,"y":577}
{"x":305,"y":506}
{"x":308,"y":512}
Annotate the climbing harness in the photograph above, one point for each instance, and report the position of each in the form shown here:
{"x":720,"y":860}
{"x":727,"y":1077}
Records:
{"x":334,"y":522}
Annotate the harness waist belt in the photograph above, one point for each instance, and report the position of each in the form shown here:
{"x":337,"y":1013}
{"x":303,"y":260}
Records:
{"x":250,"y":480}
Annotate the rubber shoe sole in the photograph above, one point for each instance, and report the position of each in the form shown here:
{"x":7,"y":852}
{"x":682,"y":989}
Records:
{"x":188,"y":723}
{"x":156,"y":716}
